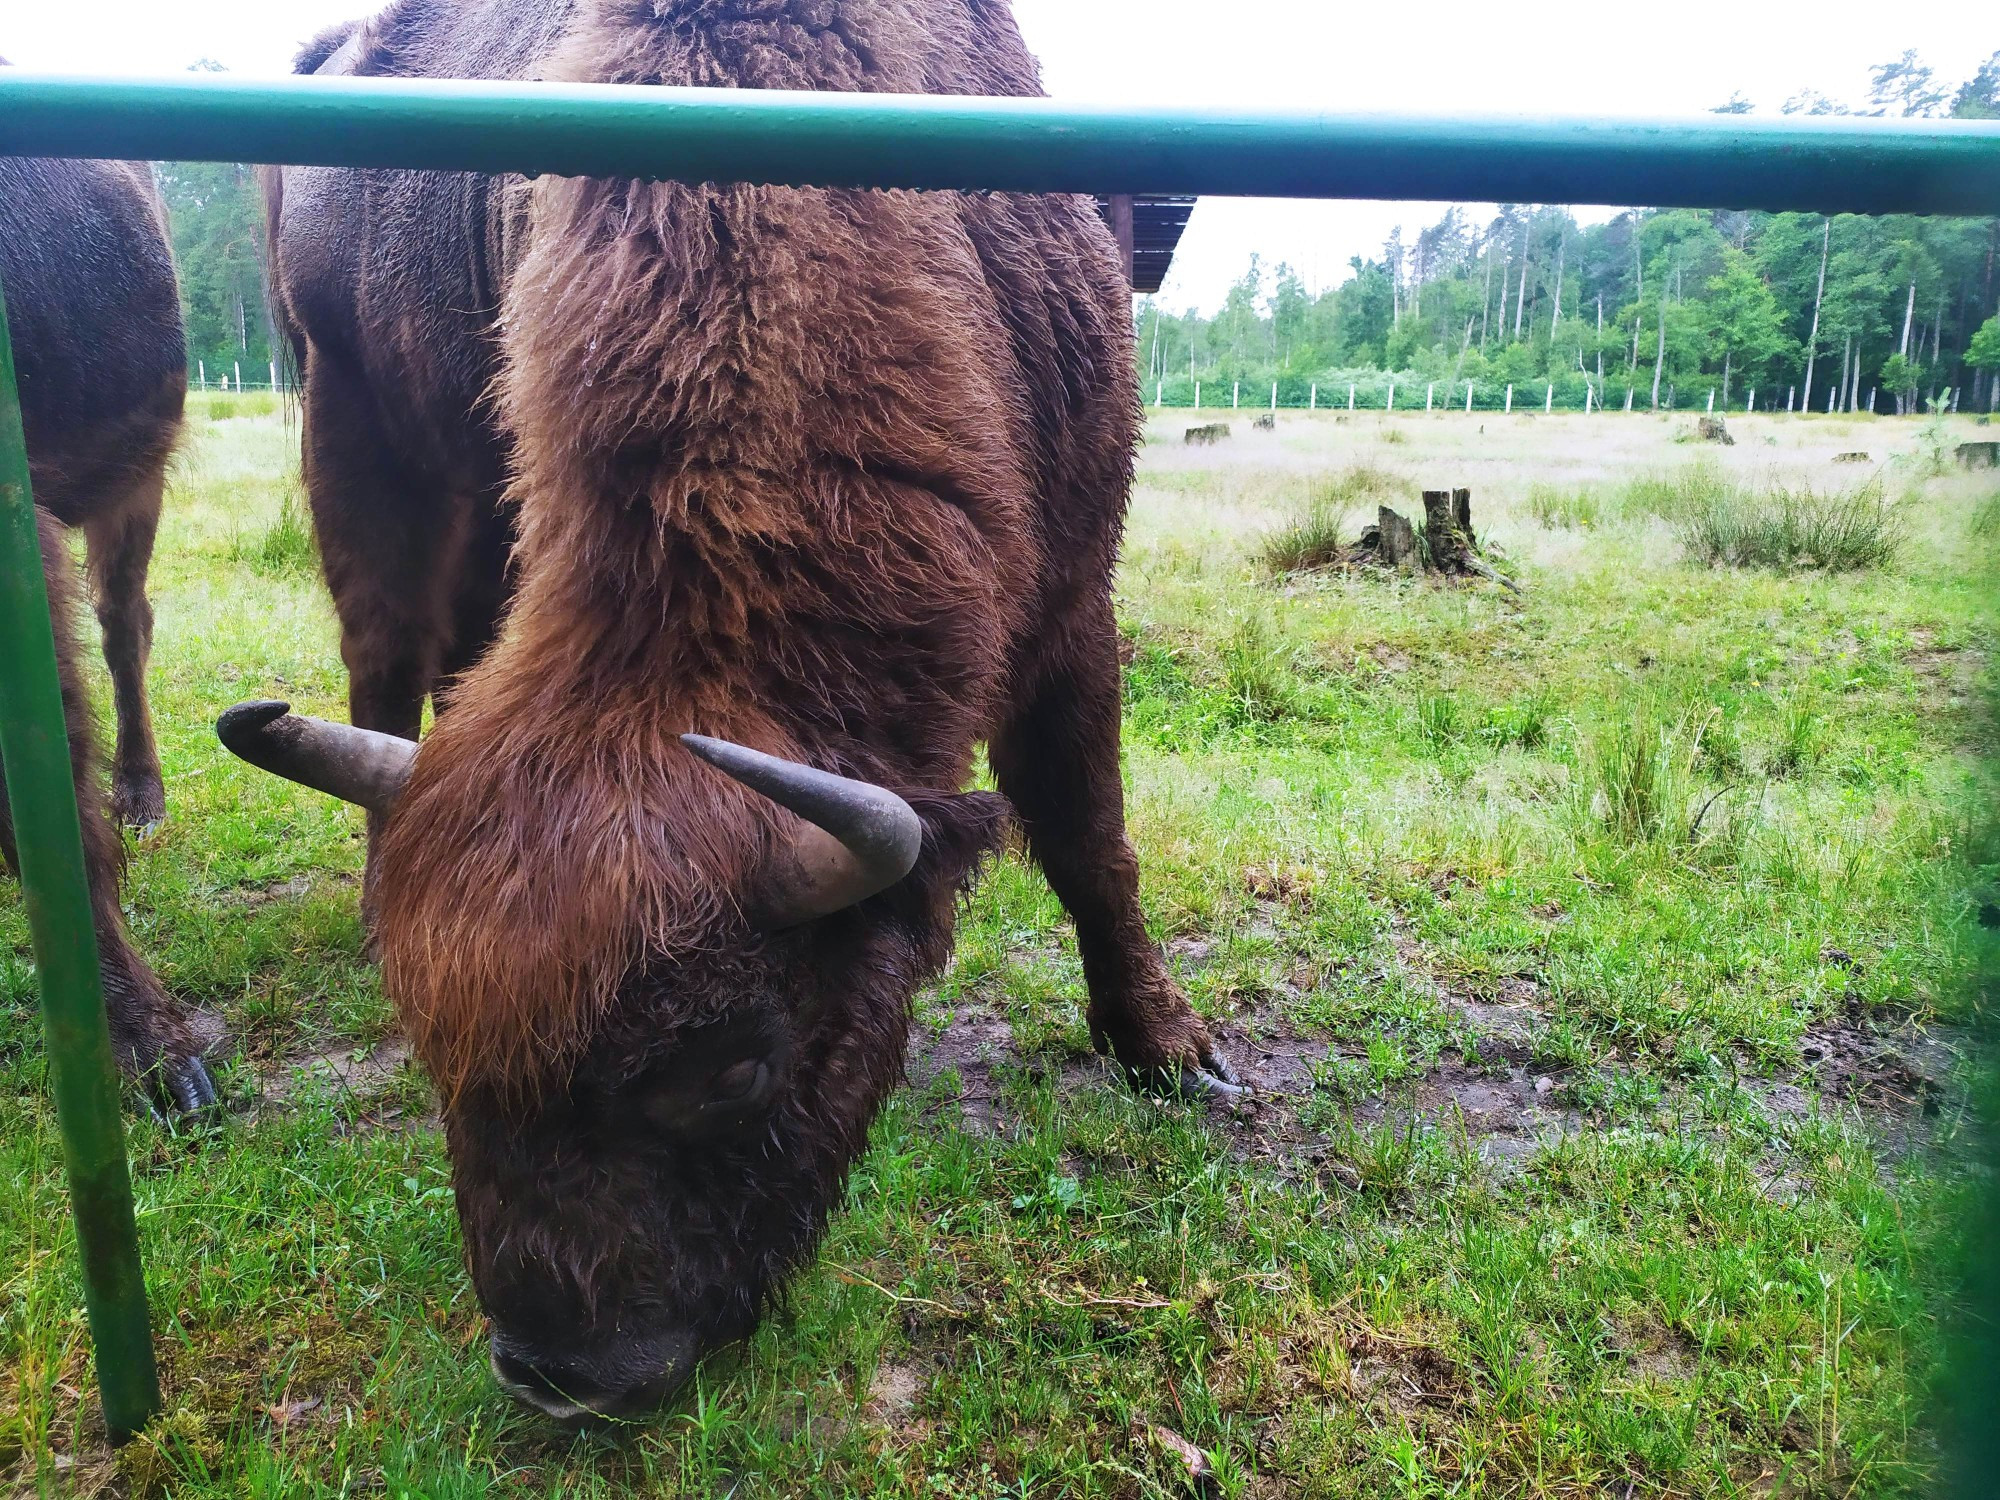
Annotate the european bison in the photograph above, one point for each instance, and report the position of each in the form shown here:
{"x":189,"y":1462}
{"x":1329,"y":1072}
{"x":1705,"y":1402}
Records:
{"x":838,"y":475}
{"x":103,"y":374}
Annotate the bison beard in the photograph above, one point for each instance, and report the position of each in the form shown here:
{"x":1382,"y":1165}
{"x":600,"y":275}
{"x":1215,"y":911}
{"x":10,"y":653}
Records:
{"x":835,"y":475}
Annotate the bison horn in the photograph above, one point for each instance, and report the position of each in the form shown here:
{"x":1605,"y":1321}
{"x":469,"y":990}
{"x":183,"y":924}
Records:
{"x":356,"y":765}
{"x":859,"y":839}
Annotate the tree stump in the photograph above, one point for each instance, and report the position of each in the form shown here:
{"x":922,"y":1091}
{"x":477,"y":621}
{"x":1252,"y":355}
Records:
{"x":1850,"y":458}
{"x":1267,"y":422}
{"x":1979,"y":455}
{"x":1202,"y":437}
{"x":1714,"y":430}
{"x":1396,"y":541}
{"x":1449,"y":544}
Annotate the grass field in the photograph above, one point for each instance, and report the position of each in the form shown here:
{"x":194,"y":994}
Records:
{"x":1597,"y":950}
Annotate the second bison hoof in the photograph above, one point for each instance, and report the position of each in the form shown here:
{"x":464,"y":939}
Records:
{"x":139,"y":803}
{"x":1214,"y":1080}
{"x":181,"y":1086}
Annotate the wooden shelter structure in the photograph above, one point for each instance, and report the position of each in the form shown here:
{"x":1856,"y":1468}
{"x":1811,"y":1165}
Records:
{"x":1149,"y":228}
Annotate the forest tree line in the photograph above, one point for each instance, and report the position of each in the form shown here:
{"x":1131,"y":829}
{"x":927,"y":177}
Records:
{"x":1661,"y":306}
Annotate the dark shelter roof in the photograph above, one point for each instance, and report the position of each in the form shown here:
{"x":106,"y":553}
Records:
{"x":1157,"y":223}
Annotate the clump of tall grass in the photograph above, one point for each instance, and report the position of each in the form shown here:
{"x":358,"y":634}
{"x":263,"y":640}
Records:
{"x":286,"y":546}
{"x":1527,"y":721}
{"x":1791,"y":527}
{"x":1784,"y":527}
{"x":1801,"y":737}
{"x":1698,"y":486}
{"x":1642,"y":774}
{"x":1313,"y":538}
{"x":1439,"y":721}
{"x":1558,"y":509}
{"x":1259,"y":670}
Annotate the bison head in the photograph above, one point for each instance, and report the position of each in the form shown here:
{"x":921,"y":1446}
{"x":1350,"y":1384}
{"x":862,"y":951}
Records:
{"x":635,"y":1209}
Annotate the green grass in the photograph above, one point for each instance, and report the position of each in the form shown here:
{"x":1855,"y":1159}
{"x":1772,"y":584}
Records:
{"x":1565,"y":509}
{"x":285,"y":546}
{"x":1675,"y":821}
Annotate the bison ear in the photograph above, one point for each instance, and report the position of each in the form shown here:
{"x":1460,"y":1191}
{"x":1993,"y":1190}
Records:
{"x":962,"y":830}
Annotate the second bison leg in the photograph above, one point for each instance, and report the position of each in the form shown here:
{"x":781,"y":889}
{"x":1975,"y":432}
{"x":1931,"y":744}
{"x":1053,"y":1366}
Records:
{"x":150,"y":1033}
{"x":121,"y":551}
{"x":380,"y":534}
{"x":1057,"y":761}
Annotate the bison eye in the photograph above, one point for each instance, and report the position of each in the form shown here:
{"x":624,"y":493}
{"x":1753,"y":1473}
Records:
{"x":740,"y":1081}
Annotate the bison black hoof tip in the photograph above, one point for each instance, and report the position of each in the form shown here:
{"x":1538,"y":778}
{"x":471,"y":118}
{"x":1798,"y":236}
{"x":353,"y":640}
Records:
{"x":1196,"y":1085}
{"x":185,"y":1087}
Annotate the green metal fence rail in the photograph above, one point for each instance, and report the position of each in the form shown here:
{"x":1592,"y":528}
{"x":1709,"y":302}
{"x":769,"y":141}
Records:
{"x":1016,"y":145}
{"x":832,"y":140}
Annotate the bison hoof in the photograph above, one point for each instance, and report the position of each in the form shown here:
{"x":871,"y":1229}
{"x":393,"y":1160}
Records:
{"x":139,"y":802}
{"x":181,"y":1086}
{"x":1212,"y":1079}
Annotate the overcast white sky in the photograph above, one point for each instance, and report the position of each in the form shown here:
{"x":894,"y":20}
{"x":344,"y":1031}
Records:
{"x":1555,"y":56}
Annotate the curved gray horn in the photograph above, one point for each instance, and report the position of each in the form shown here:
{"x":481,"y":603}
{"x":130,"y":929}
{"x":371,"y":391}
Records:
{"x":356,"y":765}
{"x":859,"y":839}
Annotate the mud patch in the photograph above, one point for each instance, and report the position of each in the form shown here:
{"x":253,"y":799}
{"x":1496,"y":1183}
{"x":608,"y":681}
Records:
{"x":1507,"y":1110}
{"x":375,"y":1083}
{"x":892,"y":1393}
{"x":1899,"y":1070}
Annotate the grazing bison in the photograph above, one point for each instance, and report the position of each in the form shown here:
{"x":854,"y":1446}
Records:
{"x":835,"y":475}
{"x":103,"y":373}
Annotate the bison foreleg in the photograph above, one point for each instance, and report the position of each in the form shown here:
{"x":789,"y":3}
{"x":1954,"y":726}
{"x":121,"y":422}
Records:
{"x":1057,"y":762}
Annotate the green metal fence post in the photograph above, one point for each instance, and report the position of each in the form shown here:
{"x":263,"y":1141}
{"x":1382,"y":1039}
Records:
{"x":34,"y":742}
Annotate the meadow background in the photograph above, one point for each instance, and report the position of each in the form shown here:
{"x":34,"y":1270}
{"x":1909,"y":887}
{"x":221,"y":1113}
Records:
{"x":1597,"y":949}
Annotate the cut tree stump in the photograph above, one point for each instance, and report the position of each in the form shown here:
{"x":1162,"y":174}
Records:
{"x":1201,"y":437}
{"x":1979,"y":455}
{"x":1714,"y":430}
{"x":1850,"y":458}
{"x":1448,"y":545}
{"x":1395,"y":541}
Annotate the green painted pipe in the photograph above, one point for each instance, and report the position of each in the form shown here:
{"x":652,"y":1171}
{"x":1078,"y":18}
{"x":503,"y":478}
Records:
{"x":34,"y":743}
{"x":1832,"y":165}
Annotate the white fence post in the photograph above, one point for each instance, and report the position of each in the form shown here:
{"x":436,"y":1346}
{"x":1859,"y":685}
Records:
{"x":274,"y":374}
{"x":1832,"y":395}
{"x":1587,"y":392}
{"x":1752,"y":406}
{"x":1350,"y":398}
{"x":1429,"y":391}
{"x":1159,"y":394}
{"x":1509,"y":407}
{"x":1313,"y":403}
{"x":1274,"y":395}
{"x":1391,"y":406}
{"x":201,"y":372}
{"x":1236,"y":395}
{"x":1711,"y":403}
{"x":1197,"y":395}
{"x":1549,"y":400}
{"x":1792,"y":399}
{"x":1628,"y":398}
{"x":1468,"y":396}
{"x":239,"y":374}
